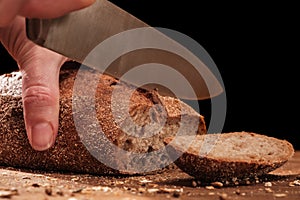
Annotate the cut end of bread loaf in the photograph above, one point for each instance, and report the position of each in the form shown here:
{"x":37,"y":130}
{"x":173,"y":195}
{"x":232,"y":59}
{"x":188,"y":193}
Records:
{"x":226,"y":156}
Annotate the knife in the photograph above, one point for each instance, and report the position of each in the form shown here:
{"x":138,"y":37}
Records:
{"x":107,"y":38}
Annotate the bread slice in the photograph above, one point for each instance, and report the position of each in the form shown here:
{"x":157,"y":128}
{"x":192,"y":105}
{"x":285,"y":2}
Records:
{"x":229,"y":156}
{"x":70,"y":153}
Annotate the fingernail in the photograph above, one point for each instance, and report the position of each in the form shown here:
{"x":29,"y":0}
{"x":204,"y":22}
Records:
{"x":42,"y":136}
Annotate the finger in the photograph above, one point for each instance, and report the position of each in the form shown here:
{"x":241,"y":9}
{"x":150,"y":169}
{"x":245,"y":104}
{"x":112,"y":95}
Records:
{"x":52,"y":8}
{"x":9,"y":10}
{"x":40,"y":71}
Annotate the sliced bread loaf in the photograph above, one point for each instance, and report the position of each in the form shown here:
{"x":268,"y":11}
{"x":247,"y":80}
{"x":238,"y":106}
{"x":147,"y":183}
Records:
{"x":229,"y":156}
{"x":79,"y":147}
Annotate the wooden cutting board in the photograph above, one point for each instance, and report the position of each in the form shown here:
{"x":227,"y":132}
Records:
{"x":283,"y":183}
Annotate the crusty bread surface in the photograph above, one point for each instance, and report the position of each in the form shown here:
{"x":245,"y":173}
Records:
{"x":70,"y":152}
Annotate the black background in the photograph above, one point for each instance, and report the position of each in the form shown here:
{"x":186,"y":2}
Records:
{"x":254,"y":46}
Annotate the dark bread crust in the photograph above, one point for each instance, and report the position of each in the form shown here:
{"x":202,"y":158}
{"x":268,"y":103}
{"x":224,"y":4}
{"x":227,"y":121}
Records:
{"x":213,"y":165}
{"x":69,"y":153}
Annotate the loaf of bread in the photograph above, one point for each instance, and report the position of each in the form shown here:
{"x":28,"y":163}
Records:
{"x":70,"y":153}
{"x":229,"y":156}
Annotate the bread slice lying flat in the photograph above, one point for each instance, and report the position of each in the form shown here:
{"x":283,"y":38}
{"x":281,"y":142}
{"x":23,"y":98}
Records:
{"x":229,"y":156}
{"x":69,"y":153}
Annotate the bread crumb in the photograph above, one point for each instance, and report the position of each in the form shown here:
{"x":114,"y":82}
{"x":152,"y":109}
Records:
{"x":279,"y":195}
{"x":210,"y":187}
{"x":248,"y":182}
{"x":217,"y":184}
{"x":294,"y":183}
{"x":268,"y":184}
{"x":194,"y":184}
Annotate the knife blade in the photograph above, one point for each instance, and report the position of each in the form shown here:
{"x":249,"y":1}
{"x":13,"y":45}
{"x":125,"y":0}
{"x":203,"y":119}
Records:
{"x":107,"y":38}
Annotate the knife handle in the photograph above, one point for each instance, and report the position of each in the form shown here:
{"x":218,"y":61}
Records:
{"x":37,"y":30}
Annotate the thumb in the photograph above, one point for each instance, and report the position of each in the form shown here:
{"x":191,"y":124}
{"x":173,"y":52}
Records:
{"x":40,"y":89}
{"x":40,"y":72}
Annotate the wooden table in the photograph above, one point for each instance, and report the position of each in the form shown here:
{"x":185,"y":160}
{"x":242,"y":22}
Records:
{"x":283,"y":183}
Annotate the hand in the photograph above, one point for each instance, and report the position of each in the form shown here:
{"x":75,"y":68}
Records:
{"x":39,"y":66}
